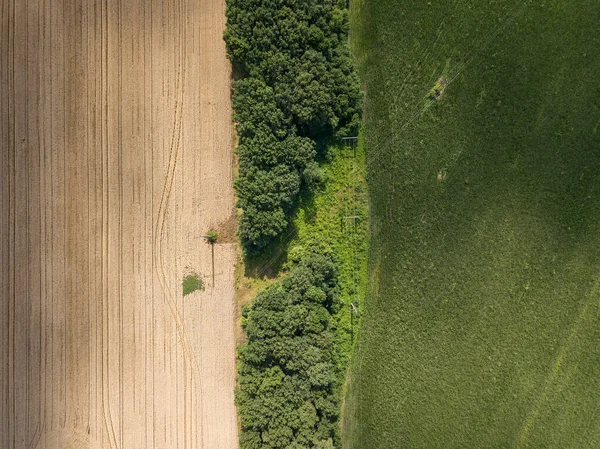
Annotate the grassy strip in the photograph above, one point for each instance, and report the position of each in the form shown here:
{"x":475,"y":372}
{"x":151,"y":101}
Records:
{"x":337,"y":216}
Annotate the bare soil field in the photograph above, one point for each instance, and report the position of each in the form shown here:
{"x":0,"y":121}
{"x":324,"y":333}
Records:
{"x":116,"y":156}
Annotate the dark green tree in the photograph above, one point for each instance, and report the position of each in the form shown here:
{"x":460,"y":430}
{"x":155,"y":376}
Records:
{"x":298,"y":85}
{"x":288,"y":386}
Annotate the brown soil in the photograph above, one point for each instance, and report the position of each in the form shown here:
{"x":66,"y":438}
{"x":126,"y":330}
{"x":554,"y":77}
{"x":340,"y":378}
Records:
{"x":227,"y":229}
{"x":116,"y":155}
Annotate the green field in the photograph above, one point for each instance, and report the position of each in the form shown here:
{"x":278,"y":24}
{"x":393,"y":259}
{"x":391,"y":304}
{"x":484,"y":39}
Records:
{"x":482,"y":323}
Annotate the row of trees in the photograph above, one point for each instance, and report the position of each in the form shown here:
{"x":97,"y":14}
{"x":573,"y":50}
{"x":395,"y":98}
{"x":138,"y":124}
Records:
{"x":298,"y":85}
{"x":288,"y":387}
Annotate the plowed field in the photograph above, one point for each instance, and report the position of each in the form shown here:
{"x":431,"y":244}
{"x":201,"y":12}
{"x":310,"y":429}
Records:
{"x":116,"y":150}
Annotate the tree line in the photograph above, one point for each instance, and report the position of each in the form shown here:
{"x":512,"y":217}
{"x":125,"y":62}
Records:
{"x":289,"y":384}
{"x":298,"y":86}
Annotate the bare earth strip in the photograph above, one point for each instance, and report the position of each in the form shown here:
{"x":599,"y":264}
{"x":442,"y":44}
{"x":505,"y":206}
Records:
{"x":116,"y":150}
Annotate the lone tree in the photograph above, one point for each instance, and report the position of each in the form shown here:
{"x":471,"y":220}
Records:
{"x":211,"y":237}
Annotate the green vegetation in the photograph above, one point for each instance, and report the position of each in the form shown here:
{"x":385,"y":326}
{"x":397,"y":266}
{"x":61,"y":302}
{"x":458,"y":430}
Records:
{"x":337,"y":216}
{"x":191,"y":283}
{"x":482,"y":320}
{"x":298,"y":88}
{"x":319,"y":229}
{"x":212,"y":237}
{"x":287,"y":375}
{"x":298,"y":91}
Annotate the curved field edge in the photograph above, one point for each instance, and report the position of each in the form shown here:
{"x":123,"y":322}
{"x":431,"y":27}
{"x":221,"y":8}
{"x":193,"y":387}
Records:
{"x":483,"y":311}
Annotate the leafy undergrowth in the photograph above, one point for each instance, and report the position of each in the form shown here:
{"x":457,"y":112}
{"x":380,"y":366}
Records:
{"x":337,"y":216}
{"x":482,"y":319}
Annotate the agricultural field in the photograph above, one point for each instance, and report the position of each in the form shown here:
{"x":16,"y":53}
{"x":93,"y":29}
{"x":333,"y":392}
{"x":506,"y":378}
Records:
{"x":116,"y":146}
{"x":482,"y":133}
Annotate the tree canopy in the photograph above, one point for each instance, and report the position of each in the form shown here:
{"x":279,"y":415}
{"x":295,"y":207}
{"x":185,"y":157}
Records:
{"x":298,"y":84}
{"x":288,"y":386}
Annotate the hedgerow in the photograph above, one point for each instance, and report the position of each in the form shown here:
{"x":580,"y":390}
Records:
{"x":298,"y":84}
{"x":288,"y":384}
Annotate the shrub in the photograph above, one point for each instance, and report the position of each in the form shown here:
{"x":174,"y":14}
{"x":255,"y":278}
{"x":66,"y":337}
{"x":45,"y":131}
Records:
{"x":191,"y":283}
{"x":212,"y":237}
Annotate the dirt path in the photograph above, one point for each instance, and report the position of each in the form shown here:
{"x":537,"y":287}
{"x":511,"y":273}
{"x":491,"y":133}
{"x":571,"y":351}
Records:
{"x":115,"y":140}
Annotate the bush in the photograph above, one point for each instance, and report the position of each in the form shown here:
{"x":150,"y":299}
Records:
{"x":191,"y":283}
{"x":312,"y":175}
{"x":298,"y":84}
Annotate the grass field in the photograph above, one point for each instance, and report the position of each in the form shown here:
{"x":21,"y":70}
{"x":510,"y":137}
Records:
{"x":482,"y":323}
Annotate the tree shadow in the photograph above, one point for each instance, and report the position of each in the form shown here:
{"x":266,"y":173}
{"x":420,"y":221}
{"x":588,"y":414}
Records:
{"x":269,"y":262}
